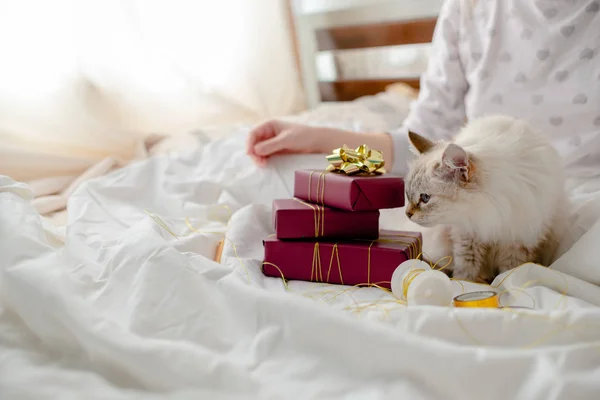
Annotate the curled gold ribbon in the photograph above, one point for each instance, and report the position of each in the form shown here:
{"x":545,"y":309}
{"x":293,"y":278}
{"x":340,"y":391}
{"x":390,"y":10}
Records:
{"x":412,"y":274}
{"x":352,"y":161}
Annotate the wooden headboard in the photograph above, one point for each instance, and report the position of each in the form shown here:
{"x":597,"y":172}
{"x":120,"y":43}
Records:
{"x":387,"y":23}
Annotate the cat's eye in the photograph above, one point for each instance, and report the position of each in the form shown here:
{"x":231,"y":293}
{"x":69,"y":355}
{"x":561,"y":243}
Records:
{"x":424,"y":197}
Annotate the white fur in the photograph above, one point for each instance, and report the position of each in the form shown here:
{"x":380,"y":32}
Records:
{"x":520,"y":191}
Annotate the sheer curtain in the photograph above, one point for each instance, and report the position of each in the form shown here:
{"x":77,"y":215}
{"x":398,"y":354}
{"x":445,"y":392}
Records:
{"x":86,"y":81}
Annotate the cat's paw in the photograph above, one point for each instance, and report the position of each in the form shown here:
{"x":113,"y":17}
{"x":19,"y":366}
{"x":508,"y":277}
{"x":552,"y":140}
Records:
{"x":462,"y":276}
{"x":468,"y":276}
{"x":482,"y":280}
{"x":472,"y":278}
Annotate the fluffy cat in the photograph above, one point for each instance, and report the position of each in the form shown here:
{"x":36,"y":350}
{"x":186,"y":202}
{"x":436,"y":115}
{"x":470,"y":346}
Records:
{"x":495,"y":195}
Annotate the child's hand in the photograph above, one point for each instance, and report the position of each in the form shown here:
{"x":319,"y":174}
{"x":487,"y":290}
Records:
{"x":278,"y":137}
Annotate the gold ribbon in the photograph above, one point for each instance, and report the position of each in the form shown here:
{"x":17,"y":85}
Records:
{"x":408,"y":280}
{"x":316,"y":274}
{"x":485,"y":299}
{"x":319,"y":217}
{"x":413,"y":242}
{"x":361,"y":160}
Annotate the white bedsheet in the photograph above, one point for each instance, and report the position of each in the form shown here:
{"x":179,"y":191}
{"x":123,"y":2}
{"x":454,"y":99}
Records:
{"x":125,"y":310}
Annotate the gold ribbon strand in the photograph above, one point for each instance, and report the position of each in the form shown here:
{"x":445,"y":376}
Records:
{"x":318,"y":216}
{"x":412,"y":274}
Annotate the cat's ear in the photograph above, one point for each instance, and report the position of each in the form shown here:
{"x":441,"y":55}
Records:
{"x":455,"y":157}
{"x":421,"y":144}
{"x":456,"y":163}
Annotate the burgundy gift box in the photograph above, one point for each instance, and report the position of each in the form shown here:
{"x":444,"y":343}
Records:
{"x":349,"y":192}
{"x":347,"y":262}
{"x":297,"y":219}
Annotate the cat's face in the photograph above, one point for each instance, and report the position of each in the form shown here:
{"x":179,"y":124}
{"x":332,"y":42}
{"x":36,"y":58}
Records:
{"x":439,"y":183}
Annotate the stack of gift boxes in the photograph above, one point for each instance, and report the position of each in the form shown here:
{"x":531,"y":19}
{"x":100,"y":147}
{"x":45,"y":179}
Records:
{"x":329,"y":232}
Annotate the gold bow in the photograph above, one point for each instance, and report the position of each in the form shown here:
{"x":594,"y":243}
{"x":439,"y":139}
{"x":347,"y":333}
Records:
{"x":351,"y":161}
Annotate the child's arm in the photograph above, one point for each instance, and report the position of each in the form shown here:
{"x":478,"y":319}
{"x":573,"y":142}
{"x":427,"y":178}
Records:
{"x":277,"y":137}
{"x":439,"y":112}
